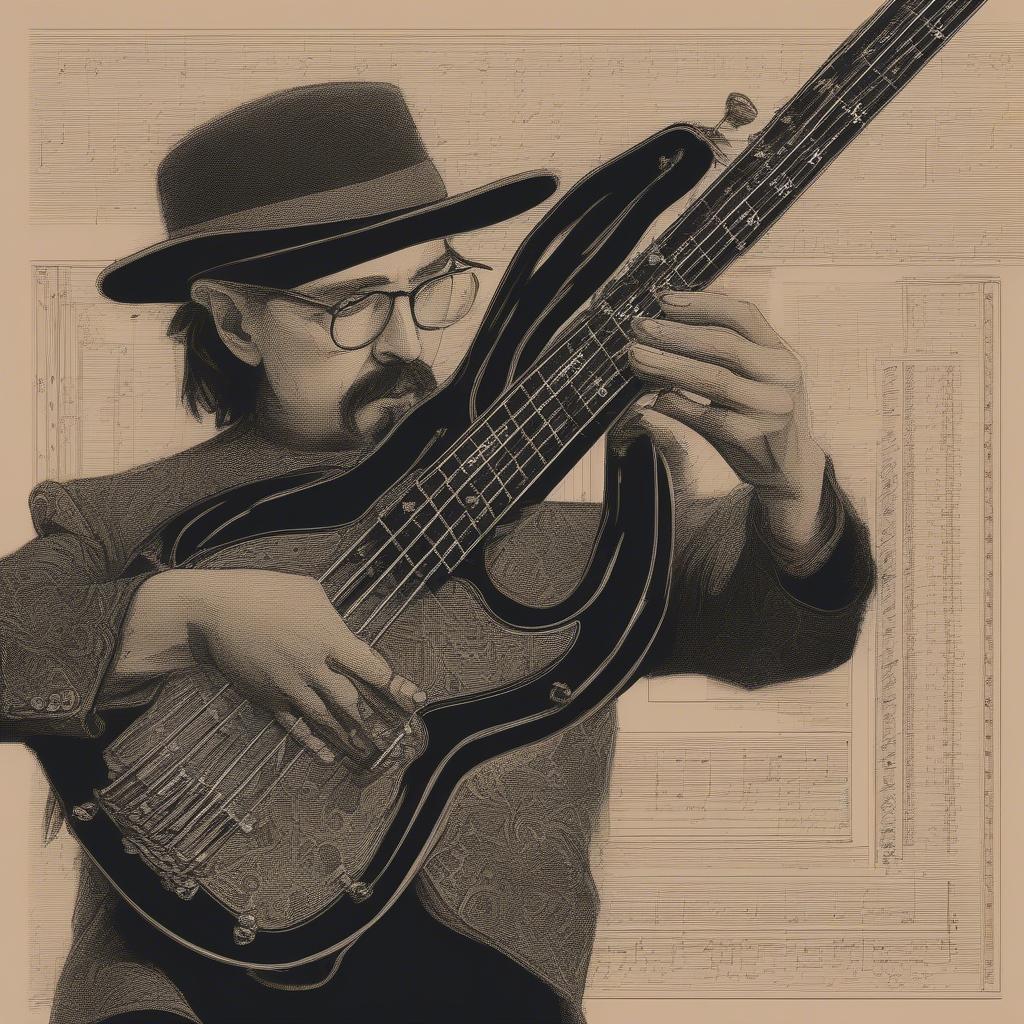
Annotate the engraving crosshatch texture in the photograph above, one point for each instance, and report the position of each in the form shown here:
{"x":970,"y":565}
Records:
{"x":728,"y":921}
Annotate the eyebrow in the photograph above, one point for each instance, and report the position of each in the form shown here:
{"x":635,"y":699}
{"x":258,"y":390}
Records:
{"x":345,"y":288}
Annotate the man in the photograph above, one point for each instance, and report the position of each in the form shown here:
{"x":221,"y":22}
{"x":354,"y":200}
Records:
{"x":308,"y":241}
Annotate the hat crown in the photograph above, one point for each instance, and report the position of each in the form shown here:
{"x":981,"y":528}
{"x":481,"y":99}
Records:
{"x":297,"y":142}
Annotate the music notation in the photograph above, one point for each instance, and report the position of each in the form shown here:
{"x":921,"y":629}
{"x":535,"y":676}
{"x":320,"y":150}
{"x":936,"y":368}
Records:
{"x":904,"y":749}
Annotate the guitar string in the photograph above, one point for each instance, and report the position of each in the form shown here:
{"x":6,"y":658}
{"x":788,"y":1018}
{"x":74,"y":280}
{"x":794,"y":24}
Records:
{"x":452,"y":454}
{"x":839,"y":97}
{"x":489,"y":461}
{"x":568,"y":337}
{"x":678,"y":268}
{"x":162,"y":780}
{"x":795,"y":158}
{"x":209,"y":807}
{"x":485,"y":463}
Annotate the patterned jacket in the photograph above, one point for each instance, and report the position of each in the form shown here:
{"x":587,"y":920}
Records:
{"x":511,"y":868}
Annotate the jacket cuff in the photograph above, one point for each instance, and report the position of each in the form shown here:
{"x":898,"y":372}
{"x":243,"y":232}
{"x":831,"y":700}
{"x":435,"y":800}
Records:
{"x":831,"y":522}
{"x":836,"y":569}
{"x":65,"y":673}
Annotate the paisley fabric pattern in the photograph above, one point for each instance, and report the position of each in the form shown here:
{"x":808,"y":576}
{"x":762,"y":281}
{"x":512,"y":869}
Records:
{"x":511,"y":868}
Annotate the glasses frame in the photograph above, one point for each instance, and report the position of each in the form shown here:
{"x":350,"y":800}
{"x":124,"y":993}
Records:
{"x":334,"y":309}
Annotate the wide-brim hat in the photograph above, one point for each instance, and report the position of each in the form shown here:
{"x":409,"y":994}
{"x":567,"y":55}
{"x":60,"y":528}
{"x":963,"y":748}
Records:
{"x":300,"y":184}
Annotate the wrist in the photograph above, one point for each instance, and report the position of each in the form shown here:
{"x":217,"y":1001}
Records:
{"x":794,"y":516}
{"x":171,"y":609}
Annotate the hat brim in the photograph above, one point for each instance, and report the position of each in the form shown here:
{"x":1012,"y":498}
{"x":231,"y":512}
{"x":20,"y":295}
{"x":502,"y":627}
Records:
{"x":286,"y":256}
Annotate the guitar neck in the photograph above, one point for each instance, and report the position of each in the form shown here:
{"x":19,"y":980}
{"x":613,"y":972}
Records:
{"x":781,"y":161}
{"x":582,"y":382}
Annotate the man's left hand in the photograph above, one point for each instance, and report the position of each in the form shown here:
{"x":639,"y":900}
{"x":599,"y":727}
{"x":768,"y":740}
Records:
{"x":723,"y":351}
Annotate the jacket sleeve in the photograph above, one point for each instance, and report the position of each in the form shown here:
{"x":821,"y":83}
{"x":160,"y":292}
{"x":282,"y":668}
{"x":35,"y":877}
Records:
{"x":62,"y":605}
{"x":736,"y":614}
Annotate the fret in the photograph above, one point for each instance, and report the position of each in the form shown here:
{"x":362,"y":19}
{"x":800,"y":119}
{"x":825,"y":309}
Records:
{"x":569,"y":410}
{"x":608,"y":358}
{"x":401,"y":552}
{"x":571,"y":382}
{"x":518,"y":438}
{"x":471,"y":465}
{"x":529,"y":440}
{"x":700,"y":249}
{"x":753,"y":219}
{"x":510,"y":460}
{"x":471,"y":500}
{"x":558,"y":415}
{"x":613,"y":319}
{"x":577,"y":380}
{"x":566,"y":410}
{"x":673,"y":275}
{"x":423,"y":527}
{"x":463,"y":504}
{"x":525,"y":473}
{"x":531,"y":434}
{"x":545,"y":422}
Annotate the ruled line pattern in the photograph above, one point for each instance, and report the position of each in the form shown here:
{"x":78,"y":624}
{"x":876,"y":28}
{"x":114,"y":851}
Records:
{"x":755,"y":843}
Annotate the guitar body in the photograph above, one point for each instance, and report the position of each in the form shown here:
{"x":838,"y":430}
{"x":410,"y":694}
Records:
{"x":380,"y":824}
{"x":609,"y":624}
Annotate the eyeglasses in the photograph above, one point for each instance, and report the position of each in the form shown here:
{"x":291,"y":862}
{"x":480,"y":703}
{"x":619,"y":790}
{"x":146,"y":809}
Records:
{"x":437,"y":303}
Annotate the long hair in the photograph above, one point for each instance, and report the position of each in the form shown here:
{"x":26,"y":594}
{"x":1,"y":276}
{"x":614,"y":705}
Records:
{"x":215,"y":381}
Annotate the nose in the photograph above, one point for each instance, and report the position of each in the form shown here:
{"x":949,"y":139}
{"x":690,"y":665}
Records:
{"x":400,"y":339}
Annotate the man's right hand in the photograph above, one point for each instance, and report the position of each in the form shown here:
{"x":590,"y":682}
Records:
{"x":279,"y":642}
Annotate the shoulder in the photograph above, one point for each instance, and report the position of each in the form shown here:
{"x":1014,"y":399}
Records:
{"x":180,"y":470}
{"x":132,"y":502}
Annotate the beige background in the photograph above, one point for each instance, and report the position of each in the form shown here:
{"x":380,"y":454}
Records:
{"x":78,"y":243}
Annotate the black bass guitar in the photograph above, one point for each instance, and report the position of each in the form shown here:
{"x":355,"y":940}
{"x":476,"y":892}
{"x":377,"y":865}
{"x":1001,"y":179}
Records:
{"x":172,"y":797}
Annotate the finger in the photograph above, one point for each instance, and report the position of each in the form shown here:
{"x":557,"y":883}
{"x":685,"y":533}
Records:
{"x":337,"y":688}
{"x":311,"y":707}
{"x":343,"y":699}
{"x":719,"y":426}
{"x":299,"y":731}
{"x":406,"y":693}
{"x":664,"y":431}
{"x":713,"y":309}
{"x":722,"y":347}
{"x":716,"y":383}
{"x":355,"y":656}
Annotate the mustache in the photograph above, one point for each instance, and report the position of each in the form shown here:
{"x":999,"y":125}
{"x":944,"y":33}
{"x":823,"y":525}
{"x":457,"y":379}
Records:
{"x":389,"y":380}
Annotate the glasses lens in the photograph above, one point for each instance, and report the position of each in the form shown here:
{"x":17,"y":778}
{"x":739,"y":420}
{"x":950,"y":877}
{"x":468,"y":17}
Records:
{"x":446,"y":300}
{"x":358,"y":322}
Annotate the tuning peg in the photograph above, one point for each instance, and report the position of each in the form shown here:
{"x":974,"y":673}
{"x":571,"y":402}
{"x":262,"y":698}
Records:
{"x":739,"y":110}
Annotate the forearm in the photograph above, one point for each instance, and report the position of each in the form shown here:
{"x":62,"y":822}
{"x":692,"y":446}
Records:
{"x":156,"y":636}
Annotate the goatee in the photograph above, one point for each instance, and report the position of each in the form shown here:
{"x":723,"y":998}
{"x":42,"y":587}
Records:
{"x":389,"y":380}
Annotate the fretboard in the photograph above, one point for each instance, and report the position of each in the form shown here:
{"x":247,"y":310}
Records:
{"x":582,"y":381}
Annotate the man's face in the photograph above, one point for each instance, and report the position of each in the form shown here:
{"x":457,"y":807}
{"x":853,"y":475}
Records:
{"x":321,"y":393}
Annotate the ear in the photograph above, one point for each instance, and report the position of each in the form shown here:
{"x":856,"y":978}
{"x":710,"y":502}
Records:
{"x":230,"y":308}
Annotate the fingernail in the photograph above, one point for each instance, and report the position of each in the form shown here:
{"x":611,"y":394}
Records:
{"x":357,"y":741}
{"x":640,"y":351}
{"x":326,"y":755}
